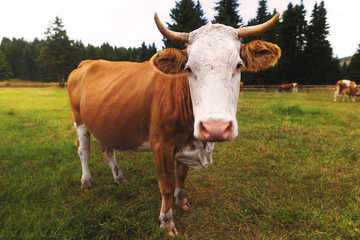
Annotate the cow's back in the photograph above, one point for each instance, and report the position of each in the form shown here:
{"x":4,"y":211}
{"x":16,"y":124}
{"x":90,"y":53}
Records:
{"x":113,"y":100}
{"x":343,"y":86}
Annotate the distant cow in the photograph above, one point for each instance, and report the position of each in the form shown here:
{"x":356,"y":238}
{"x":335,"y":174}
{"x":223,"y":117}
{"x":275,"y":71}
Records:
{"x":287,"y":87}
{"x":175,"y":105}
{"x":242,"y":87}
{"x":346,"y":87}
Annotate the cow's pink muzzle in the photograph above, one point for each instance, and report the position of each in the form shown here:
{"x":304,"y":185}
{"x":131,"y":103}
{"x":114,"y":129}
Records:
{"x":216,"y":130}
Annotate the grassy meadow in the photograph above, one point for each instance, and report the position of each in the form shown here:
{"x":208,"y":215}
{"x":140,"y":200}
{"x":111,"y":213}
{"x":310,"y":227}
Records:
{"x":292,"y":173}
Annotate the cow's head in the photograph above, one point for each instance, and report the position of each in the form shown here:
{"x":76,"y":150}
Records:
{"x":213,"y":60}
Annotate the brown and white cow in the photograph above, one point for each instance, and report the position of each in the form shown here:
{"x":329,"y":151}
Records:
{"x":287,"y":87}
{"x":175,"y":105}
{"x":346,"y":87}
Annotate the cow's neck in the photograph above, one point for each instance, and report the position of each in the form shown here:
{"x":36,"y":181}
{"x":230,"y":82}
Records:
{"x":174,"y":102}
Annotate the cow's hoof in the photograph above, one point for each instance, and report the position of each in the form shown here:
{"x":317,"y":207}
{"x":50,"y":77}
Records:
{"x":172,"y":233}
{"x":184,"y":204}
{"x":85,"y":184}
{"x":180,"y":199}
{"x":167,"y":223}
{"x":121,"y":181}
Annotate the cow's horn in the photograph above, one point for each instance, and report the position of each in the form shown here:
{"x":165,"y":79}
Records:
{"x":171,"y":35}
{"x":258,"y":29}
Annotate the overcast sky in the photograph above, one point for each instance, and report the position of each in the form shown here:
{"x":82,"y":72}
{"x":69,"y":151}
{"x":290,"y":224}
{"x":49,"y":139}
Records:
{"x":128,"y":23}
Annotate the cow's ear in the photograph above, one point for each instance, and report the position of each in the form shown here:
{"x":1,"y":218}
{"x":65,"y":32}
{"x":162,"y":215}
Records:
{"x":170,"y":60}
{"x":258,"y":55}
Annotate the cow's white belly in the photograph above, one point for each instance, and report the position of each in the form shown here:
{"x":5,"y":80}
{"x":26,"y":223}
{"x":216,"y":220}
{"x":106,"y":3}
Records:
{"x":144,"y":147}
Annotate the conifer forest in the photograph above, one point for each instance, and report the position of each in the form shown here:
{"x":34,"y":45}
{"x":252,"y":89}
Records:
{"x":307,"y":56}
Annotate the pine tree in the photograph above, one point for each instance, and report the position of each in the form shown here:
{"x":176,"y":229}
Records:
{"x":262,"y":16}
{"x":354,"y":67}
{"x":292,"y":43}
{"x":343,"y":71}
{"x":262,"y":12}
{"x":92,"y":52}
{"x":320,"y":64}
{"x":81,"y":49}
{"x":28,"y":64}
{"x":5,"y":69}
{"x":13,"y":50}
{"x":107,"y":52}
{"x":228,"y":13}
{"x":186,"y":17}
{"x":122,"y":54}
{"x":151,"y":51}
{"x":58,"y":57}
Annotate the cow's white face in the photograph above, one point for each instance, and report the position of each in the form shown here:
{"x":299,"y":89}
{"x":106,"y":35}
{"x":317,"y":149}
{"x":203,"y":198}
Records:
{"x":213,"y":63}
{"x":214,"y":77}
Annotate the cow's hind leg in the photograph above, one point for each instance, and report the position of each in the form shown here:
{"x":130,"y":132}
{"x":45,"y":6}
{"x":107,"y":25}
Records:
{"x":109,"y":155}
{"x":83,"y":142}
{"x":180,"y":194}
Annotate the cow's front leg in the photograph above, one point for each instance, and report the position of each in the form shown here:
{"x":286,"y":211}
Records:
{"x":180,"y":194}
{"x":165,"y":166}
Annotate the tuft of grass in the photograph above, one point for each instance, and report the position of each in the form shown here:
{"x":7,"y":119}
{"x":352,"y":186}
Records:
{"x":292,"y":173}
{"x":296,"y":110}
{"x":10,"y":111}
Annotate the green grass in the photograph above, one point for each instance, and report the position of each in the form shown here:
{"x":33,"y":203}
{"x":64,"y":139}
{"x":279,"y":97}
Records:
{"x":292,"y":173}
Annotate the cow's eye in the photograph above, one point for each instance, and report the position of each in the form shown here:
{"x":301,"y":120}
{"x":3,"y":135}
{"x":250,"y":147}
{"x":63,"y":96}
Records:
{"x":239,"y":65}
{"x":188,"y":69}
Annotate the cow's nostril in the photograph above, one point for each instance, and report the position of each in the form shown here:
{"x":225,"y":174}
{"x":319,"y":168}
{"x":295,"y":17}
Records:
{"x":204,"y":132}
{"x":216,"y":130}
{"x":229,"y":128}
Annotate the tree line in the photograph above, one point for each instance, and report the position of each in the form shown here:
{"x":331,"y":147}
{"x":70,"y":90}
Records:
{"x":52,"y":59}
{"x":307,"y":56}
